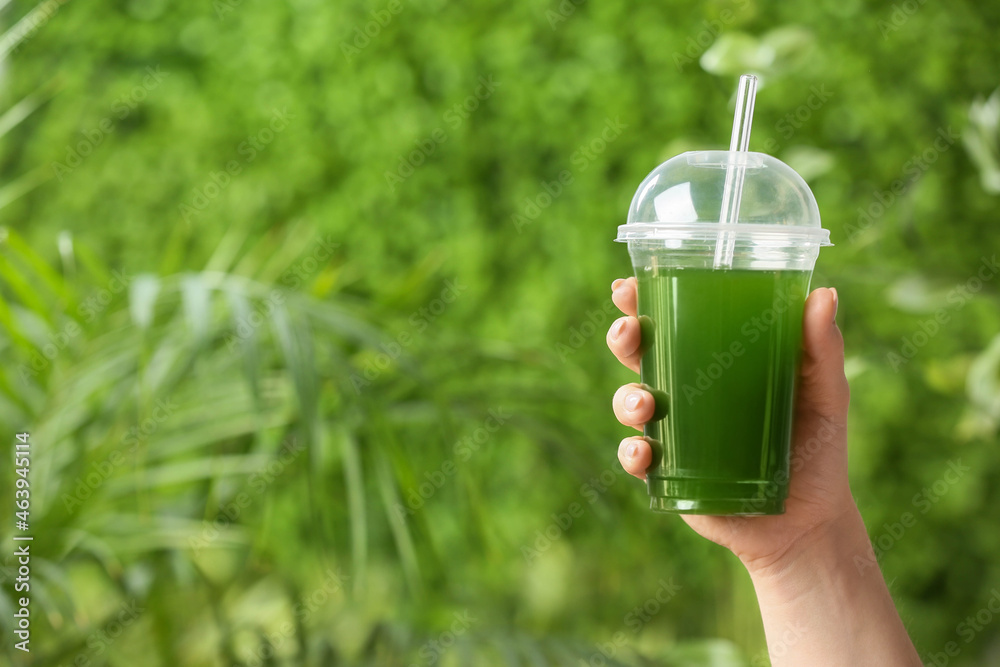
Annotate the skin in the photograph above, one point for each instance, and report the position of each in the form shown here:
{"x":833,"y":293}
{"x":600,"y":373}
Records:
{"x":822,"y":598}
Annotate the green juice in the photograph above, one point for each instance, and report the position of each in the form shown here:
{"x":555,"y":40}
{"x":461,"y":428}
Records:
{"x":721,"y":354}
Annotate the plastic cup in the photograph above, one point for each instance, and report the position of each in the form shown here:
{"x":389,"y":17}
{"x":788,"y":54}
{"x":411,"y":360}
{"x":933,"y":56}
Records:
{"x":721,"y":341}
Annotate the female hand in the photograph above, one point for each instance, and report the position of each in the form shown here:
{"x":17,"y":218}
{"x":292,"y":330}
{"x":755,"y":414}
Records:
{"x":818,"y":606}
{"x":819,"y":495}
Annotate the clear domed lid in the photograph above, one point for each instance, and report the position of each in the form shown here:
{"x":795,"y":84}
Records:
{"x":685,"y":198}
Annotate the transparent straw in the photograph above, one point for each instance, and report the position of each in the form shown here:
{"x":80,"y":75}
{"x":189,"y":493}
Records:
{"x":732,"y":191}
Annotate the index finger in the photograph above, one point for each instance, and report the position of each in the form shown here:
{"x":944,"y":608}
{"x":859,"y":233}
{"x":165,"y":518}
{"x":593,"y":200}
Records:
{"x":623,"y":295}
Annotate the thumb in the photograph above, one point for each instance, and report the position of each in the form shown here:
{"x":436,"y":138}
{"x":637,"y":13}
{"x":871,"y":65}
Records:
{"x":823,"y":392}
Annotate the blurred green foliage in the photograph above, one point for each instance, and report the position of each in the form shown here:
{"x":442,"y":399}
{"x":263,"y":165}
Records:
{"x":352,"y":261}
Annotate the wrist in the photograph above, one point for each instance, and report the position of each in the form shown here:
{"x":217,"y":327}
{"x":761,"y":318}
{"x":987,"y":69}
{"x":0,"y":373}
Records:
{"x":824,"y":601}
{"x":840,"y":543}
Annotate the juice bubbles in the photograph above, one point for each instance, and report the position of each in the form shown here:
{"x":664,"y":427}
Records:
{"x":721,"y":290}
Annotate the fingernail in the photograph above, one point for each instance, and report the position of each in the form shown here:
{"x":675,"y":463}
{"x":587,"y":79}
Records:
{"x":616,"y":284}
{"x":836,"y":302}
{"x":633,"y":400}
{"x":618,"y":328}
{"x":631,"y":450}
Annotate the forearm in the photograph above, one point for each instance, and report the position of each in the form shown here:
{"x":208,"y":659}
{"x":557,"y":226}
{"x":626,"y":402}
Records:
{"x":826,"y":603}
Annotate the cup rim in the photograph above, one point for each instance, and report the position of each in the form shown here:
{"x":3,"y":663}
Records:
{"x":701,"y":231}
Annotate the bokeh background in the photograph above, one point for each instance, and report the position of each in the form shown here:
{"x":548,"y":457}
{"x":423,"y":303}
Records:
{"x":303,"y":306}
